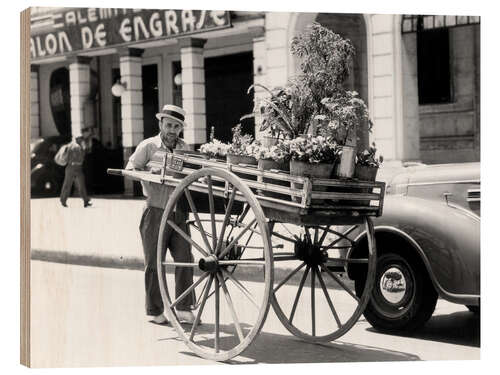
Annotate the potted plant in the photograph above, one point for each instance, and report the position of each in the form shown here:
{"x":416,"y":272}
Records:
{"x":214,"y":149}
{"x":272,"y":158}
{"x":367,"y":164}
{"x":241,"y":149}
{"x":311,"y":156}
{"x":338,"y":114}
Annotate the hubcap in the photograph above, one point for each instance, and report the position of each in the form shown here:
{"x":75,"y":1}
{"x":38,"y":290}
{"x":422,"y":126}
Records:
{"x":393,"y":285}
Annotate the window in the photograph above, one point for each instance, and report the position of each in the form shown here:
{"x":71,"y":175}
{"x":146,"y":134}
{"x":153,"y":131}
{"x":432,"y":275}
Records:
{"x":433,"y":59}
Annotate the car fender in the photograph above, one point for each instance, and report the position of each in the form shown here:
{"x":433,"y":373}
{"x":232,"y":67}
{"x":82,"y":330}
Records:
{"x":446,"y":238}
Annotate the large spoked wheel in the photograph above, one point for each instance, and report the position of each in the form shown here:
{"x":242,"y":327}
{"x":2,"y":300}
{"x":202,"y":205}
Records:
{"x":232,"y":264}
{"x":314,"y":292}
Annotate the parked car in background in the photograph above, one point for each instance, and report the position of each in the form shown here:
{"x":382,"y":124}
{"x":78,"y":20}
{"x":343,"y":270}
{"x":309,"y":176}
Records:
{"x":47,"y":177}
{"x":428,"y":245}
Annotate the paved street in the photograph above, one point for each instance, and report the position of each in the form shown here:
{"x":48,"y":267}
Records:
{"x":95,"y":317}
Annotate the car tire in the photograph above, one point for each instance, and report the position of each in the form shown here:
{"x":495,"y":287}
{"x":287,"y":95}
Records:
{"x":407,"y":301}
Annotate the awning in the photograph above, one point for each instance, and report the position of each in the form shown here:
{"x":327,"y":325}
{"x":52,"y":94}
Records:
{"x":414,"y":23}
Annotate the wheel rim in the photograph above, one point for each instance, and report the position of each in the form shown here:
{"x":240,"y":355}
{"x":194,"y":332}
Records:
{"x":324,"y":303}
{"x":228,"y":248}
{"x":391,"y":297}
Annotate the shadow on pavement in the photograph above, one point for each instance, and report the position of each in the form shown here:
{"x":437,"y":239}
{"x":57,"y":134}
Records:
{"x":276,"y":348}
{"x":459,"y":328}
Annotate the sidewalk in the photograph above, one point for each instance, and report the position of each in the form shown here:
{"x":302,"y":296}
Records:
{"x":103,"y":235}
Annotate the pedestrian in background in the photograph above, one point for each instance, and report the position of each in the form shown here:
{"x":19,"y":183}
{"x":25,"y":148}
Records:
{"x":171,"y":124}
{"x":74,"y":154}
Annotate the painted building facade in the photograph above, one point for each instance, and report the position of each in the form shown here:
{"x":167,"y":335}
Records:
{"x":419,"y":75}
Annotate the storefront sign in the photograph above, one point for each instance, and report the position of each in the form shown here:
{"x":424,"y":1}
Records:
{"x":78,"y":30}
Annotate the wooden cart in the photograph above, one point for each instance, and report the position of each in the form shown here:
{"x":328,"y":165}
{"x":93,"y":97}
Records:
{"x":243,"y":221}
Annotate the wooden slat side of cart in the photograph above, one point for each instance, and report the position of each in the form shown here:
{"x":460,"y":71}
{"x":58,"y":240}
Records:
{"x":318,"y":201}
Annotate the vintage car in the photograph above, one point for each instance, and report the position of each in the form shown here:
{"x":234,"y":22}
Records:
{"x":428,"y":242}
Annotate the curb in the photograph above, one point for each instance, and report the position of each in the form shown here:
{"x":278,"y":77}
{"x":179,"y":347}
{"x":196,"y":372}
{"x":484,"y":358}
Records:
{"x":246,"y":273}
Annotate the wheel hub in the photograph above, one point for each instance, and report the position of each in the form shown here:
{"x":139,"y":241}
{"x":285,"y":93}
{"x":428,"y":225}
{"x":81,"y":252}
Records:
{"x":209,"y":264}
{"x":309,"y":253}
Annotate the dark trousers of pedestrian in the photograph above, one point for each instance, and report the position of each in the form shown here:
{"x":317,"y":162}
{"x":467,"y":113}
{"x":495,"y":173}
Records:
{"x":74,"y":173}
{"x":181,"y":252}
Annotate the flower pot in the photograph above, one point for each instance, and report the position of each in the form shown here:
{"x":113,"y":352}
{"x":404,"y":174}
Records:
{"x":267,"y":165}
{"x":269,"y":141}
{"x":214,"y":157}
{"x":317,"y":170}
{"x":345,"y":168}
{"x":242,"y":159}
{"x":365,"y":172}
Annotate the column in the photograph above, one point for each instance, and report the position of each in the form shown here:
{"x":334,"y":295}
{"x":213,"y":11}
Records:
{"x":193,"y":90}
{"x":384,"y":103}
{"x":131,"y":105}
{"x":411,"y":121}
{"x":79,"y":82}
{"x":278,"y":52}
{"x":35,"y":103}
{"x":259,"y":73}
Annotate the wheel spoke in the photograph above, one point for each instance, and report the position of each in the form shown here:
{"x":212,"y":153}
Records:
{"x":231,"y":307}
{"x":189,"y":290}
{"x":197,"y":218}
{"x":276,"y":234}
{"x":337,"y":279}
{"x":216,"y":328}
{"x":307,"y":234}
{"x":330,"y":303}
{"x":299,"y":291}
{"x":186,"y":237}
{"x":313,"y":305}
{"x":226,"y":219}
{"x":315,"y":235}
{"x":228,"y":247}
{"x":242,"y":261}
{"x":290,"y":275}
{"x":342,"y":236}
{"x":239,"y":219}
{"x":291,"y":234}
{"x":323,"y":236}
{"x":180,"y":264}
{"x":202,"y":306}
{"x":250,"y":236}
{"x":212,"y":211}
{"x":244,"y":290}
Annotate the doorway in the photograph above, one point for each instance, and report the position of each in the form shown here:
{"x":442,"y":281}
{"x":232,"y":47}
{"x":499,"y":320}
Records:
{"x":227,"y":79}
{"x":150,"y":99}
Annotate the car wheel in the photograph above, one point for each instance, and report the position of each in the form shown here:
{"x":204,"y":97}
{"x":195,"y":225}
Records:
{"x":403,"y":296}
